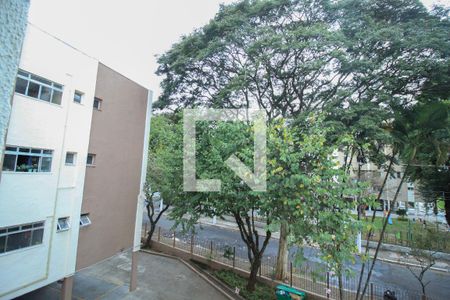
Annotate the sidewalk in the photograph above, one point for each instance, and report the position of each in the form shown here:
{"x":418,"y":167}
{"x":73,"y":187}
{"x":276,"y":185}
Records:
{"x":159,"y":278}
{"x":386,"y":256}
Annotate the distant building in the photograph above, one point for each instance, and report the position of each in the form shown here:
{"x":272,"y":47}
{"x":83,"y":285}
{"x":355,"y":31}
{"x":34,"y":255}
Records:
{"x":408,"y":197}
{"x":74,"y":167}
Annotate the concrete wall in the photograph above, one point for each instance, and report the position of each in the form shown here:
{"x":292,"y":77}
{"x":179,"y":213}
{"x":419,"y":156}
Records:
{"x":13,"y":21}
{"x":32,"y":197}
{"x":112,"y":186}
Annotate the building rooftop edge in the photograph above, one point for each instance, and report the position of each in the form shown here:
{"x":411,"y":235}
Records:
{"x":90,"y":56}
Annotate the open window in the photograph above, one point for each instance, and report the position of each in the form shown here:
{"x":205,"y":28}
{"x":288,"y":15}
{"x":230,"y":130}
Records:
{"x":63,"y":224}
{"x":85,"y":220}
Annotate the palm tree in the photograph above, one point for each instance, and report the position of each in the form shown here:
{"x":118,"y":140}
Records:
{"x":412,"y":129}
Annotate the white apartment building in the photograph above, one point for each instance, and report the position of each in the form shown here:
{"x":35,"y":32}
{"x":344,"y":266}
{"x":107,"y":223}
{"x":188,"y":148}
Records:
{"x":45,"y":164}
{"x":408,"y":196}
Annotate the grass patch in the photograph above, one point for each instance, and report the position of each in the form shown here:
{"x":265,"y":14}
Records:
{"x":398,"y":224}
{"x":234,"y":280}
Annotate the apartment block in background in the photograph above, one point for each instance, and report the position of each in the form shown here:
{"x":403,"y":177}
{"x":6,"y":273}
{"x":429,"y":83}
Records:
{"x":73,"y":169}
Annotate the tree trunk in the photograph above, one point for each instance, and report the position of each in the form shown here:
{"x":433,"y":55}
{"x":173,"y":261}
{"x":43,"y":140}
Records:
{"x":380,"y":241}
{"x":148,"y":242}
{"x":361,"y":274}
{"x":283,"y":253}
{"x":254,"y":268}
{"x":250,"y":236}
{"x":341,"y":286}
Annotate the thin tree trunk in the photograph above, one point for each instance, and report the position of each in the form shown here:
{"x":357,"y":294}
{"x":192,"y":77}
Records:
{"x":380,"y":241}
{"x":366,"y":252}
{"x":256,"y":264}
{"x":153,"y":222}
{"x":250,"y":236}
{"x":341,"y":286}
{"x":148,"y":242}
{"x":283,"y":253}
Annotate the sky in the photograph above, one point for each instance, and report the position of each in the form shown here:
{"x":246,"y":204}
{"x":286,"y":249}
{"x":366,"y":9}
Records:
{"x":127,"y":35}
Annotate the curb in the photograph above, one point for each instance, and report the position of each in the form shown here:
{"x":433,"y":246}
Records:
{"x":204,"y":277}
{"x":411,"y":264}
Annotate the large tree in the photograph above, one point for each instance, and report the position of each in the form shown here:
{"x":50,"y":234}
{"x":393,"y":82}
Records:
{"x":413,"y":130}
{"x":301,"y":178}
{"x":291,"y":57}
{"x":433,"y":170}
{"x":280,"y":56}
{"x":165,"y":163}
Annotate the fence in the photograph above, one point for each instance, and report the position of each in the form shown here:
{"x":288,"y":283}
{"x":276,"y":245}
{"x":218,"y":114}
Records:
{"x":309,"y":277}
{"x":404,"y":238}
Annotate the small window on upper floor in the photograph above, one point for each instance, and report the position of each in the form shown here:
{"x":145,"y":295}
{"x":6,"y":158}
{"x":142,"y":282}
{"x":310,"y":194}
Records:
{"x":98,"y":103}
{"x":90,"y":161}
{"x":70,"y":158}
{"x":85,"y":220}
{"x":77,"y":97}
{"x":63,"y":224}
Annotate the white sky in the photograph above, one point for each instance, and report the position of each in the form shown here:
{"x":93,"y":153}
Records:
{"x":127,"y":34}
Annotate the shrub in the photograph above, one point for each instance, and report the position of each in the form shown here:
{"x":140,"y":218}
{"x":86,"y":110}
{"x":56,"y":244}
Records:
{"x":234,"y":280}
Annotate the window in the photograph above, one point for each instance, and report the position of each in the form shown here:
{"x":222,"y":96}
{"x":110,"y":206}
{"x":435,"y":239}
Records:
{"x":21,"y":236}
{"x":20,"y":159}
{"x":70,"y":158}
{"x":37,"y":87}
{"x":84,"y":220}
{"x":399,"y":175}
{"x":97,"y":103}
{"x":63,"y":224}
{"x":90,"y":161}
{"x":77,"y":97}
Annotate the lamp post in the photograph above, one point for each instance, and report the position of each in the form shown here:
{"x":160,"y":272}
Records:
{"x":361,"y":162}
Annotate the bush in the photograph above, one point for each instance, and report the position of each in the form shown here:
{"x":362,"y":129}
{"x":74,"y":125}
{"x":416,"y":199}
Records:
{"x":234,"y":280}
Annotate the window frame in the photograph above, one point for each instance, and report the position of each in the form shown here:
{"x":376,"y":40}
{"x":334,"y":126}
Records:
{"x":100,"y":103}
{"x":17,"y":152}
{"x":41,"y":82}
{"x":84,"y":224}
{"x":30,"y":227}
{"x":74,"y":161}
{"x":81,"y":94}
{"x":94,"y":156}
{"x":65,"y":228}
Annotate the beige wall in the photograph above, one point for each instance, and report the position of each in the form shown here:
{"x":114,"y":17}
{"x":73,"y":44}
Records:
{"x":112,"y":185}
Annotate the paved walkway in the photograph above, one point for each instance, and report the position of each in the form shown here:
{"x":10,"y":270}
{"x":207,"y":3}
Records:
{"x":158,"y":278}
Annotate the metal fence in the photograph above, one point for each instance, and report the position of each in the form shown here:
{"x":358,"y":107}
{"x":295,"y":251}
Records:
{"x":308,"y":277}
{"x":405,"y":237}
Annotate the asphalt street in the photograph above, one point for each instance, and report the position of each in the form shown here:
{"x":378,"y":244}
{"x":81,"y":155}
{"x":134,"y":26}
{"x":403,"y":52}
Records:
{"x":392,"y":276}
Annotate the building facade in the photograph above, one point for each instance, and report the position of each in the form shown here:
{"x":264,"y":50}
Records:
{"x":408,"y":196}
{"x":63,"y":186}
{"x":13,"y":21}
